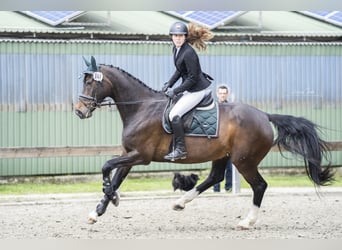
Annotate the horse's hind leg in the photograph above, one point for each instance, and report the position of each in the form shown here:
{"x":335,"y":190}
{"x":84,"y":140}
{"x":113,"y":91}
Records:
{"x":259,"y":186}
{"x":216,"y":175}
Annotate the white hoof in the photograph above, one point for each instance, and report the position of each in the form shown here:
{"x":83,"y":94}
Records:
{"x":187,"y":197}
{"x":250,"y":219}
{"x":244,"y":225}
{"x":92,"y":217}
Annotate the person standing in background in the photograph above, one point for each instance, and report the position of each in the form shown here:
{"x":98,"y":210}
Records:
{"x":222,"y":94}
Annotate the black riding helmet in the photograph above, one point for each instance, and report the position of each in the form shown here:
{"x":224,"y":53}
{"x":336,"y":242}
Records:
{"x":178,"y":28}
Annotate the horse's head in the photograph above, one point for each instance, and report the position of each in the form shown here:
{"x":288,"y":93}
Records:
{"x":94,"y":90}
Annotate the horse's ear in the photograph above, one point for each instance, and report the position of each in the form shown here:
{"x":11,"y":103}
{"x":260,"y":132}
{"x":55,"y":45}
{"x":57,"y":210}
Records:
{"x":86,"y":61}
{"x":93,"y":63}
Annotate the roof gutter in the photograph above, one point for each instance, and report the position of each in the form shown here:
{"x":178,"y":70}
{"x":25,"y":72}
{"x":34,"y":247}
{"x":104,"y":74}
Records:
{"x":263,"y":36}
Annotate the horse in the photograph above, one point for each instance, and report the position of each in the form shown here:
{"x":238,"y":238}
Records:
{"x":245,"y":136}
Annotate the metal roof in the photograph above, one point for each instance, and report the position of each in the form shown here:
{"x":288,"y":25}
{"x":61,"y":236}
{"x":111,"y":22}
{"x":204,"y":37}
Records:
{"x":286,"y":21}
{"x":142,"y":25}
{"x":334,"y":17}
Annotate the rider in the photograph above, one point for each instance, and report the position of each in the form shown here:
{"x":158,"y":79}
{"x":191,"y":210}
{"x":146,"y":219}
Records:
{"x":195,"y":84}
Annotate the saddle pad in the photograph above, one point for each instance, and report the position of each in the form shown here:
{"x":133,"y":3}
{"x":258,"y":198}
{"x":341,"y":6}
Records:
{"x":203,"y":122}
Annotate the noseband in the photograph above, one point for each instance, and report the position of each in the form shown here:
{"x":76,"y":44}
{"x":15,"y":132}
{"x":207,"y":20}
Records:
{"x":89,"y":101}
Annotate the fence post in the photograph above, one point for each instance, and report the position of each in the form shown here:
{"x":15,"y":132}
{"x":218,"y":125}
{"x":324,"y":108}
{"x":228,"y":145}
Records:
{"x":236,"y":180}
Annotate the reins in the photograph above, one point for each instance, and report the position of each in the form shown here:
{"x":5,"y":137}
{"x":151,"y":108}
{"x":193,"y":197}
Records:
{"x":95,"y":104}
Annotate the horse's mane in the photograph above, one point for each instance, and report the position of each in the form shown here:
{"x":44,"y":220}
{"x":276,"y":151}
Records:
{"x":133,"y":77}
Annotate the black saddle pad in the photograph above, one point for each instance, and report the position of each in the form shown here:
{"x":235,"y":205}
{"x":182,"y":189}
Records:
{"x":201,"y":121}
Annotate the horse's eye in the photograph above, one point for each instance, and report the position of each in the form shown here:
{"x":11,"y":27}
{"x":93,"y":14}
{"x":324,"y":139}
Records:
{"x":88,"y":79}
{"x":88,"y":82}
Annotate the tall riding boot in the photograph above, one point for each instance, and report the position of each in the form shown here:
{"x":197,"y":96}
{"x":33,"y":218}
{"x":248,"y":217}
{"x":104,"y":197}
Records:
{"x":179,"y":149}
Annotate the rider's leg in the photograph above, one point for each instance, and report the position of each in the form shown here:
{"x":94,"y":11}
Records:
{"x":179,"y":149}
{"x":187,"y":102}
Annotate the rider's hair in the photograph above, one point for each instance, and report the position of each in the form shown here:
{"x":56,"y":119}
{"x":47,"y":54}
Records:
{"x":198,"y":35}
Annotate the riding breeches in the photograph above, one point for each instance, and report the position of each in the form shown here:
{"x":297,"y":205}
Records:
{"x":188,"y":101}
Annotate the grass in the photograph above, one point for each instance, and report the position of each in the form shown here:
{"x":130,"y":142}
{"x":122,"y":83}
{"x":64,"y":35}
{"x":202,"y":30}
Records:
{"x":142,"y":184}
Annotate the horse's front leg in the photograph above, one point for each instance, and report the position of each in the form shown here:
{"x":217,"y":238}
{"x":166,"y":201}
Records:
{"x":216,"y":175}
{"x":123,"y":165}
{"x":110,"y":189}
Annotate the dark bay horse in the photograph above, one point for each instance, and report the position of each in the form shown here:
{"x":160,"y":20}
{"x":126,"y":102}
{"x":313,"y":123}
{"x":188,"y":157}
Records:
{"x":245,"y":136}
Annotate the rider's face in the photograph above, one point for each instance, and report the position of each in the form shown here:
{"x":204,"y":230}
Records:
{"x":178,"y":40}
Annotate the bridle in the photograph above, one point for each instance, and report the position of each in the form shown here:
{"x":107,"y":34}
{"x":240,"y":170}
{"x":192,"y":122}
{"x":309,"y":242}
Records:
{"x":92,"y":103}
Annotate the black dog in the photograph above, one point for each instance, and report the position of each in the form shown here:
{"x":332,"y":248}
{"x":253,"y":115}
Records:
{"x":183,"y":182}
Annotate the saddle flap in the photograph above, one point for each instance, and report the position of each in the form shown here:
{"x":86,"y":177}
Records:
{"x":197,"y":122}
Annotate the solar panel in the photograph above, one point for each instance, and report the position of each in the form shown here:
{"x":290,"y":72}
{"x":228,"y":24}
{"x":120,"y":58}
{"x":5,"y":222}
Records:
{"x":337,"y":17}
{"x":53,"y":18}
{"x":209,"y":19}
{"x":318,"y":13}
{"x":334,"y":17}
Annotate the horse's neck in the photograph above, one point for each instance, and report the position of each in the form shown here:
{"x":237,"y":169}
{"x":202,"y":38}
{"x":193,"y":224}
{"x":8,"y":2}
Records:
{"x":128,"y":89}
{"x":130,"y":95}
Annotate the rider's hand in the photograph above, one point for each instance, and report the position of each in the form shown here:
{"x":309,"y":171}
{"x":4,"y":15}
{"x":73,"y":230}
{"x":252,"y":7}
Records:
{"x":166,"y":86}
{"x":170,"y":93}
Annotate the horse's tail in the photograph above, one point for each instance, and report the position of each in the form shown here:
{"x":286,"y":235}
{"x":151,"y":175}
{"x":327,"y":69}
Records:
{"x":299,"y":136}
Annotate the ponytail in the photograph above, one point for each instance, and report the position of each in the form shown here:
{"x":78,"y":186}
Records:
{"x":198,"y":35}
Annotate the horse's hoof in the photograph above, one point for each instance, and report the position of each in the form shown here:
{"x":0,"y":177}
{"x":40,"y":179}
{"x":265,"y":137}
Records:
{"x":240,"y":227}
{"x":116,"y":199}
{"x":92,"y":217}
{"x":244,"y":225}
{"x":102,"y":206}
{"x":178,"y":207}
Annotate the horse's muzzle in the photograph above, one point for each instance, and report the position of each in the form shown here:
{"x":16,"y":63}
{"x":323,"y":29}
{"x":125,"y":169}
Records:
{"x":80,"y":114}
{"x":83,"y":113}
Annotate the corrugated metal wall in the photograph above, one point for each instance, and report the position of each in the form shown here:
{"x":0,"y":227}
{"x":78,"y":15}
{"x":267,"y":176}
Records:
{"x":39,"y":85}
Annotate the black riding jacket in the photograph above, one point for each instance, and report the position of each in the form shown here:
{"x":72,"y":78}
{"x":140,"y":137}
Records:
{"x":188,"y":67}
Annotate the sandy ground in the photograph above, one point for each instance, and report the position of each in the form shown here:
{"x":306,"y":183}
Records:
{"x":286,"y":213}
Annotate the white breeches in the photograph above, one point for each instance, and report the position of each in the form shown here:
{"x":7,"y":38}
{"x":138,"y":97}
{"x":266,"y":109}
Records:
{"x":188,"y":101}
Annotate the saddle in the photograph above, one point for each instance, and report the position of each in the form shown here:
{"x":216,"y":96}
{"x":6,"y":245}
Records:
{"x":202,"y":120}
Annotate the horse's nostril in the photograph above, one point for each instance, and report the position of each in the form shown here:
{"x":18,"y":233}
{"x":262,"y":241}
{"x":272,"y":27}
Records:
{"x":79,"y":114}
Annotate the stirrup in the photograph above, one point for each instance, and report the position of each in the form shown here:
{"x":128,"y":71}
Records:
{"x":175,"y":155}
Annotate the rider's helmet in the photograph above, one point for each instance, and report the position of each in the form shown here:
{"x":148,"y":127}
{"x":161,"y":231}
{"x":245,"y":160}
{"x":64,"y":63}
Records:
{"x":178,"y":28}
